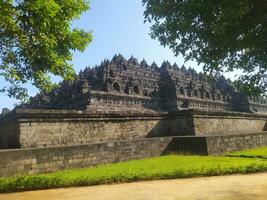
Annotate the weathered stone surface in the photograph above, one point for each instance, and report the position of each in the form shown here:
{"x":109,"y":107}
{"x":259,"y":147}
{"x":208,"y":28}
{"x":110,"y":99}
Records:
{"x":40,"y":128}
{"x":32,"y":161}
{"x":120,"y":110}
{"x":198,"y":122}
{"x":127,"y":84}
{"x":43,"y":134}
{"x":216,"y":144}
{"x":29,"y":128}
{"x":41,"y":160}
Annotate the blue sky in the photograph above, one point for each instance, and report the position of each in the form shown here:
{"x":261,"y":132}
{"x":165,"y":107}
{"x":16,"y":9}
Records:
{"x":118,"y":27}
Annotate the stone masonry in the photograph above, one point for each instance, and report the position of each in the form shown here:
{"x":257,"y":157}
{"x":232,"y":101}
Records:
{"x":35,"y":128}
{"x":127,"y":84}
{"x":123,"y":110}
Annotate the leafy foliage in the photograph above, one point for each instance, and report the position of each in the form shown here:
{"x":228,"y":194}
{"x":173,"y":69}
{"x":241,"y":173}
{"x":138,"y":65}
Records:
{"x":36,"y":41}
{"x":223,"y":35}
{"x":164,"y":167}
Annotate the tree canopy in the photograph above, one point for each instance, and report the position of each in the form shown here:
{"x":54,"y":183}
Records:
{"x":223,"y":35}
{"x":36,"y":41}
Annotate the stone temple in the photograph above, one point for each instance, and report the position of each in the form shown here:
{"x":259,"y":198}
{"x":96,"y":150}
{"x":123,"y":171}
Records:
{"x":122,"y":110}
{"x":122,"y":84}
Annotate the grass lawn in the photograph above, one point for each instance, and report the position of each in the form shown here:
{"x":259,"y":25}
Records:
{"x":164,"y":167}
{"x":252,"y":153}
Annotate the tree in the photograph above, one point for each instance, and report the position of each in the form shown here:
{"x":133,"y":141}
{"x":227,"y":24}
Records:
{"x":223,"y":35}
{"x":36,"y":41}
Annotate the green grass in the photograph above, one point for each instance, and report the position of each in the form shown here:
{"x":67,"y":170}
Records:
{"x":164,"y":167}
{"x":251,"y":153}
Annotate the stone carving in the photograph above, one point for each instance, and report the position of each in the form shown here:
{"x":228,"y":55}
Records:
{"x":125,"y":84}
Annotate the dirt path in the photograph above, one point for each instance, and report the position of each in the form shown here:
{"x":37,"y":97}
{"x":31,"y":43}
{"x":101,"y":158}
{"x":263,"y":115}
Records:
{"x":234,"y":187}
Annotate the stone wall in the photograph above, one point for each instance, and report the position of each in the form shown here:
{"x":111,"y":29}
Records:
{"x":42,"y":160}
{"x":216,"y":145}
{"x":69,"y":132}
{"x":199,"y":122}
{"x":46,"y":128}
{"x":192,"y":102}
{"x":227,"y":125}
{"x":116,"y":101}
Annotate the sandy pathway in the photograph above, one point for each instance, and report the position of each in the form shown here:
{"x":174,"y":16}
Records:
{"x":234,"y":187}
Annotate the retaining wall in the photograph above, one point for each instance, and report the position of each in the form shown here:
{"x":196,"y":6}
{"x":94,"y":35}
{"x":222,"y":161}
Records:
{"x":217,"y":144}
{"x":42,"y":160}
{"x":47,"y":128}
{"x":34,"y":128}
{"x":205,"y":123}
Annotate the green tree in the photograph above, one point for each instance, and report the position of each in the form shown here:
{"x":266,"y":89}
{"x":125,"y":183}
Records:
{"x":223,"y":35}
{"x":36,"y":41}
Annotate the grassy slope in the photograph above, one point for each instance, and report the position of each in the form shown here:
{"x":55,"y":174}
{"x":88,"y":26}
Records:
{"x":164,"y":167}
{"x":252,"y":153}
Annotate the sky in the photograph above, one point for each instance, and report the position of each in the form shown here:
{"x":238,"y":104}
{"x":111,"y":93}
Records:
{"x":118,"y":27}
